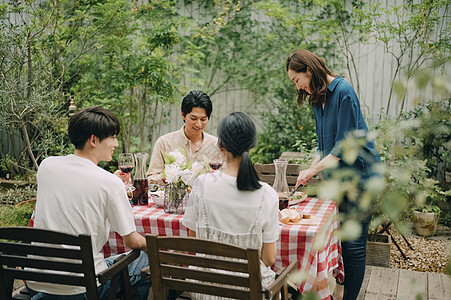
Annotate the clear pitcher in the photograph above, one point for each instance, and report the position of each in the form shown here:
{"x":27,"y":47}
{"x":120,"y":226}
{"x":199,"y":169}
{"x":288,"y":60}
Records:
{"x":280,"y":180}
{"x":140,"y":182}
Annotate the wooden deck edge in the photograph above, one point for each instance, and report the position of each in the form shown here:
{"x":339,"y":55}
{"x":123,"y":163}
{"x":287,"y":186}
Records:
{"x":364,"y":286}
{"x":430,"y":286}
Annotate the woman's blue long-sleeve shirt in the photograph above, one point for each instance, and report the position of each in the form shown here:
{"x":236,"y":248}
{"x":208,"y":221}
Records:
{"x":342,"y":115}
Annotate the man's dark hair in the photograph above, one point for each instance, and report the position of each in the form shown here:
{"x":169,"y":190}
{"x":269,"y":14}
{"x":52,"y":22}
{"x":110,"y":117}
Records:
{"x":197,"y":99}
{"x":94,"y":120}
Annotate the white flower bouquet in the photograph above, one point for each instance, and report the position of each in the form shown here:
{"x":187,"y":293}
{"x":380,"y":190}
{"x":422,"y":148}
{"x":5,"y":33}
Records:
{"x":180,"y":175}
{"x":180,"y":171}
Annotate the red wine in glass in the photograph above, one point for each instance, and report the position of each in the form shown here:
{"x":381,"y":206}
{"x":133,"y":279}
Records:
{"x":140,"y":194}
{"x":215,"y":166}
{"x":283,"y":203}
{"x":126,"y":169}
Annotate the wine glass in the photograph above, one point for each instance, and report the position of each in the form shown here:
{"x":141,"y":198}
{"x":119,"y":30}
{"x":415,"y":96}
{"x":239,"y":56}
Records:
{"x":126,"y":163}
{"x":215,"y":159}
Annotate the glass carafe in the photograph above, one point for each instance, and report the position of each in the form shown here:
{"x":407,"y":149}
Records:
{"x":140,"y":194}
{"x":280,"y":180}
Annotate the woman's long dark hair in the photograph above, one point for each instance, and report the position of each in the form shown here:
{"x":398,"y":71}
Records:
{"x":298,"y":62}
{"x":237,"y":135}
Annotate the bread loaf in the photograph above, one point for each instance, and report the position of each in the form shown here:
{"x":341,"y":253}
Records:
{"x":289,"y":215}
{"x":284,"y":216}
{"x":295,"y":216}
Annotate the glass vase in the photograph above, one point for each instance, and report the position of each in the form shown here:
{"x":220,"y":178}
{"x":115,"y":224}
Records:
{"x":280,"y":180}
{"x":175,"y":197}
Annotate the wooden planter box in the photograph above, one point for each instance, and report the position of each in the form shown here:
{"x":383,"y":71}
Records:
{"x":378,"y":250}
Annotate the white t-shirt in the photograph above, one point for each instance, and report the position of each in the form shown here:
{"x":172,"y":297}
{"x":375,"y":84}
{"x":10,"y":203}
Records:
{"x":76,"y":196}
{"x":232,"y":210}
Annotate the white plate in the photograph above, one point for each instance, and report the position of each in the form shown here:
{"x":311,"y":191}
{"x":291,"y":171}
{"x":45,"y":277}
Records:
{"x":157,"y":197}
{"x":299,"y":197}
{"x":158,"y":201}
{"x":295,"y":201}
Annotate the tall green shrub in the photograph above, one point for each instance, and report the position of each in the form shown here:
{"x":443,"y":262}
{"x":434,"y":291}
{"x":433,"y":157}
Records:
{"x":287,"y":128}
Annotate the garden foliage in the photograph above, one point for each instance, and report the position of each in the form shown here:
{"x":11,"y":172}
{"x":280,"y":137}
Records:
{"x":287,"y":128}
{"x":414,"y":149}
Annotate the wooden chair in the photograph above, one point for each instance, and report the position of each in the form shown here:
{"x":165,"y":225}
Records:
{"x":169,"y":258}
{"x":16,"y":249}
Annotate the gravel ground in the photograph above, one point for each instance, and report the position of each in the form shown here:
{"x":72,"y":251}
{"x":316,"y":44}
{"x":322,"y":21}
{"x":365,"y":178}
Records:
{"x":429,"y":255}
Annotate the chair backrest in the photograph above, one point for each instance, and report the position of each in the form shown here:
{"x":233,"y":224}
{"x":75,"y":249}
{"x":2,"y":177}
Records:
{"x":169,"y":258}
{"x":45,"y":259}
{"x":267,"y":173}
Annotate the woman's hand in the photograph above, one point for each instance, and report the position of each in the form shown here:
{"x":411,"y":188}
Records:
{"x":305,"y":176}
{"x":317,"y":166}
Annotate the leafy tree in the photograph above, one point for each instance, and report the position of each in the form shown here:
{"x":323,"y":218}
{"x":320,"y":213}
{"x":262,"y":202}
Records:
{"x":407,"y":173}
{"x":131,"y":71}
{"x":416,"y":35}
{"x":347,"y":24}
{"x":249,"y":53}
{"x":32,"y":87}
{"x":140,"y":66}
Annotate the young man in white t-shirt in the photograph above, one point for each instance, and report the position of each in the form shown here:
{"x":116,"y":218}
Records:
{"x":78,"y":197}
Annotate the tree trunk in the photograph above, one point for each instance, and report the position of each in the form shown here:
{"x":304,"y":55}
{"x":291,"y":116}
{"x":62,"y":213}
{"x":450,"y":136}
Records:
{"x":27,"y":142}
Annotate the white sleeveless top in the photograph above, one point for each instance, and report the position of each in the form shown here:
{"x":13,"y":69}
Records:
{"x":251,"y":239}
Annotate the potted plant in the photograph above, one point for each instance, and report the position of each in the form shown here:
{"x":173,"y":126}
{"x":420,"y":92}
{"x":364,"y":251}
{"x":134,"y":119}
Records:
{"x":425,"y":219}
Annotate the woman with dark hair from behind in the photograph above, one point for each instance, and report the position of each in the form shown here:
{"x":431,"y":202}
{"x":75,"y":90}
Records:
{"x":236,"y":205}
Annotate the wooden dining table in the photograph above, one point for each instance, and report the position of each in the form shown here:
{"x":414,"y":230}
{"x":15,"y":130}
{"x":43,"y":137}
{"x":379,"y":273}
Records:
{"x":315,"y":247}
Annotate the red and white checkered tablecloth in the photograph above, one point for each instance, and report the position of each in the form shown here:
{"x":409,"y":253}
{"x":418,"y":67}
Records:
{"x":148,"y":219}
{"x":315,"y":247}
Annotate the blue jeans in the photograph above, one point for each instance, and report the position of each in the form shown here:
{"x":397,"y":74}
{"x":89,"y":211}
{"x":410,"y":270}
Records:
{"x":354,"y":252}
{"x":134,"y":271}
{"x":354,"y":260}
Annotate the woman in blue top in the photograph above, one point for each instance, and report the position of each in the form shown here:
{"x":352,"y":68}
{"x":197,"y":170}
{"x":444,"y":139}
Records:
{"x":337,"y":114}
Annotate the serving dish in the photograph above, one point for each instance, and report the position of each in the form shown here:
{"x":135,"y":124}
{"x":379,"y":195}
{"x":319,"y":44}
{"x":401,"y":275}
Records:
{"x":157,"y":197}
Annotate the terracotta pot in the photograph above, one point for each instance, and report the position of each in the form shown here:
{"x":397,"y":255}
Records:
{"x":425,"y":223}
